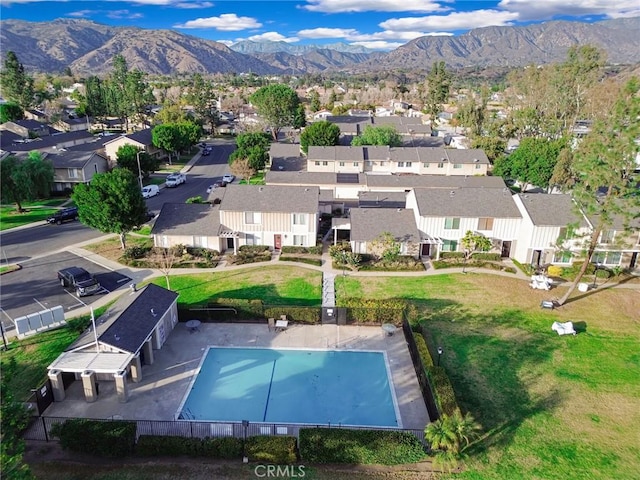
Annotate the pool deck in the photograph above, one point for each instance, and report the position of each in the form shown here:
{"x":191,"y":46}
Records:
{"x":164,"y":384}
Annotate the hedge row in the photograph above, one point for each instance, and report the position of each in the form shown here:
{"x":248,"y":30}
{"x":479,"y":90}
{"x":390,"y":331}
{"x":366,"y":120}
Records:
{"x":423,"y":350}
{"x":247,"y":308}
{"x":317,"y":250}
{"x":373,"y":310}
{"x":106,"y":439}
{"x":341,"y":445}
{"x":400,"y":264}
{"x":437,"y":264}
{"x":311,"y":261}
{"x":278,"y":450}
{"x":444,"y":255}
{"x":445,"y":395}
{"x":158,"y":445}
{"x":310,"y":315}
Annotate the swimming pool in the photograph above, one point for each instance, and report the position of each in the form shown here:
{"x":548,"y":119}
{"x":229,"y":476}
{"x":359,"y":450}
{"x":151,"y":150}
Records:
{"x":293,"y":386}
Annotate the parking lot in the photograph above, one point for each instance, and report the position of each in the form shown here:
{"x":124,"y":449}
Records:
{"x":36,"y":287}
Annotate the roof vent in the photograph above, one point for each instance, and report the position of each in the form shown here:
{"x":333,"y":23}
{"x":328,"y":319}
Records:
{"x":261,"y":189}
{"x":133,"y":287}
{"x":153,"y":312}
{"x":476,"y":160}
{"x":452,"y":193}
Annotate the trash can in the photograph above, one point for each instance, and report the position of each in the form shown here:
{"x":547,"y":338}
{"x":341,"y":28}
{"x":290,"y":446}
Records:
{"x":583,"y":287}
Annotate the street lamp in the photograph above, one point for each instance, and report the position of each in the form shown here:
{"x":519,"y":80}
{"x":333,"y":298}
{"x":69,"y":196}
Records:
{"x":440,"y":351}
{"x":139,"y":169}
{"x":245,"y":425}
{"x":595,"y":276}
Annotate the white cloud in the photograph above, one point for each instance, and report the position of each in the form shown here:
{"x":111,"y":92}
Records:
{"x":545,"y":9}
{"x":379,"y":45}
{"x":342,"y":6}
{"x":272,"y":37}
{"x":126,"y":14}
{"x":227,"y":22}
{"x":82,"y":13}
{"x":228,"y":43}
{"x":327,"y":32}
{"x":453,"y":21}
{"x":193,"y":5}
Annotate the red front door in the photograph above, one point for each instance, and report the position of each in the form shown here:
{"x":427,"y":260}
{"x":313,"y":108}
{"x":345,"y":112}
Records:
{"x":277,"y":242}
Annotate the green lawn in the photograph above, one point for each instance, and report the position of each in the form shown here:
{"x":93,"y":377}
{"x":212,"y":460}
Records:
{"x":34,"y":212}
{"x":282,"y":285}
{"x":551,"y":407}
{"x":257,"y":179}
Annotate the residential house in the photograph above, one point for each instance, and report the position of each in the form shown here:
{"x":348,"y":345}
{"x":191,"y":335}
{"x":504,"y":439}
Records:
{"x":141,"y":139}
{"x":26,"y":128}
{"x":369,"y":224}
{"x":188,"y":224}
{"x":286,"y":157}
{"x":269,"y":215}
{"x":618,"y":245}
{"x":382,"y":199}
{"x":11,"y":142}
{"x":443,"y":217}
{"x":72,"y":168}
{"x":73,"y":124}
{"x":121,"y":341}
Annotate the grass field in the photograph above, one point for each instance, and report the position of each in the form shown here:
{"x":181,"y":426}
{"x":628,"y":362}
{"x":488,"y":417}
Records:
{"x":34,"y":212}
{"x":282,"y":285}
{"x":551,"y":407}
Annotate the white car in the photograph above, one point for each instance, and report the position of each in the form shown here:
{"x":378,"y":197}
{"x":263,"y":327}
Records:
{"x":150,"y":191}
{"x":228,"y":178}
{"x":175,"y":179}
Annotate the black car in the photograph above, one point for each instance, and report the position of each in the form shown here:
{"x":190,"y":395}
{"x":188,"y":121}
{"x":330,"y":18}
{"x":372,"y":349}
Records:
{"x":64,"y":215}
{"x":79,"y":279}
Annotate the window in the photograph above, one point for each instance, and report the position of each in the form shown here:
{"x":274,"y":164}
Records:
{"x":598,"y":257}
{"x":457,"y":165}
{"x":95,"y":167}
{"x":299,"y":218}
{"x":318,"y":163}
{"x":425,"y":165}
{"x":408,"y":164}
{"x":341,"y":164}
{"x":250,"y":239}
{"x":449,"y":245}
{"x":485,"y":224}
{"x":252,"y":218}
{"x":298,"y":240}
{"x":199,"y":241}
{"x":607,"y":236}
{"x":400,"y":164}
{"x":562,"y":257}
{"x":355,"y":164}
{"x":73,"y":172}
{"x":478,"y":166}
{"x":441,"y":165}
{"x":382,"y":164}
{"x":451,"y":223}
{"x":613,"y":258}
{"x":325,"y":163}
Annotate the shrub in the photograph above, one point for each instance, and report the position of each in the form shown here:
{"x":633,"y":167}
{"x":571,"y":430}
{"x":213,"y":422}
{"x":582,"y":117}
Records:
{"x":310,"y":315}
{"x":445,"y":255}
{"x":495,"y":257}
{"x":341,"y":445}
{"x":158,"y":445}
{"x":445,"y":395}
{"x":311,"y":261}
{"x":374,"y":310}
{"x":423,"y":351}
{"x":107,"y":439}
{"x":555,"y":271}
{"x":254,"y":249}
{"x":317,"y":250}
{"x":279,"y":450}
{"x":136,"y":252}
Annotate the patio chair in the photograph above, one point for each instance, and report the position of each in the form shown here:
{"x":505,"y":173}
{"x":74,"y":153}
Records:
{"x":271,"y":323}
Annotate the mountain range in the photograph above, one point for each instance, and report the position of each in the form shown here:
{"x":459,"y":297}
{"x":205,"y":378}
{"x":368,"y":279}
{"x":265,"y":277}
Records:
{"x":88,"y":48}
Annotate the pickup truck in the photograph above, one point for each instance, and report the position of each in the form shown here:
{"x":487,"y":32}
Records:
{"x":175,"y":179}
{"x":79,"y":279}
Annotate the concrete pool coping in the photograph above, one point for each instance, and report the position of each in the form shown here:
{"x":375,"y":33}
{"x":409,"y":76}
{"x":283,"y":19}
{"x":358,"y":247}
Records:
{"x":165,"y":382}
{"x":386,"y":369}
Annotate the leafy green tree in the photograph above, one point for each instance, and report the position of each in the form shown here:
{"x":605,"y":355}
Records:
{"x":278,"y":105}
{"x":190,"y":133}
{"x":111,"y":203}
{"x":385,"y":247}
{"x":254,"y":147}
{"x":438,"y":86}
{"x":176,"y":137}
{"x":10,"y":112}
{"x":494,"y":147}
{"x":472,"y":114}
{"x":300,"y":117}
{"x":202,"y":96}
{"x":95,"y":98}
{"x":449,"y":436}
{"x":604,"y":162}
{"x":314,"y":101}
{"x":16,"y":85}
{"x":382,"y":135}
{"x":127,"y":157}
{"x":532,"y":163}
{"x":25,"y":180}
{"x":319,"y":134}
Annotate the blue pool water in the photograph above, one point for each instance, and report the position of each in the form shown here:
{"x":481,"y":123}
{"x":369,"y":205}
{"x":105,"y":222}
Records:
{"x":293,"y":386}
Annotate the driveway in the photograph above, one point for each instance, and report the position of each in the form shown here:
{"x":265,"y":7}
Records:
{"x":35,"y":286}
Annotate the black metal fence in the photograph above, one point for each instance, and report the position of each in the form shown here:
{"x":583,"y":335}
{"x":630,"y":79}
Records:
{"x":423,"y":380}
{"x":40,"y":428}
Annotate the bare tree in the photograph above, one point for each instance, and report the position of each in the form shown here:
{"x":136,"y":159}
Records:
{"x":166,"y":259}
{"x":241,"y":167}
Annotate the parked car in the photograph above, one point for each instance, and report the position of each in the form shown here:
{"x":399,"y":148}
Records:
{"x":206,"y":151}
{"x":175,"y":179}
{"x":64,"y":215}
{"x":150,"y":191}
{"x":80,"y":280}
{"x":228,"y":178}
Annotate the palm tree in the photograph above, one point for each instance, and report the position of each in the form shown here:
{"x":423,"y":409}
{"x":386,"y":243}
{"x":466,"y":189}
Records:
{"x":440,"y":435}
{"x":465,"y":428}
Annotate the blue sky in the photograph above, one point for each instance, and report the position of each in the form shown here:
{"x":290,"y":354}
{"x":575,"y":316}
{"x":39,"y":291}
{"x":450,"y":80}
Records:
{"x":378,"y":24}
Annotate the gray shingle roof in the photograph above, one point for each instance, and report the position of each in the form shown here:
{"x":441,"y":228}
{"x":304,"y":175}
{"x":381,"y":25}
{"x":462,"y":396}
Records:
{"x":128,"y":323}
{"x":72,"y":159}
{"x":434,"y":181}
{"x":367,"y":224}
{"x":269,"y":198}
{"x":548,"y":210}
{"x":382,"y":199}
{"x":200,"y":219}
{"x":466,"y":202}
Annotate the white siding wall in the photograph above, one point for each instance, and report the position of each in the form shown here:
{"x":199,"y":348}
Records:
{"x":272,"y":224}
{"x":168,"y":241}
